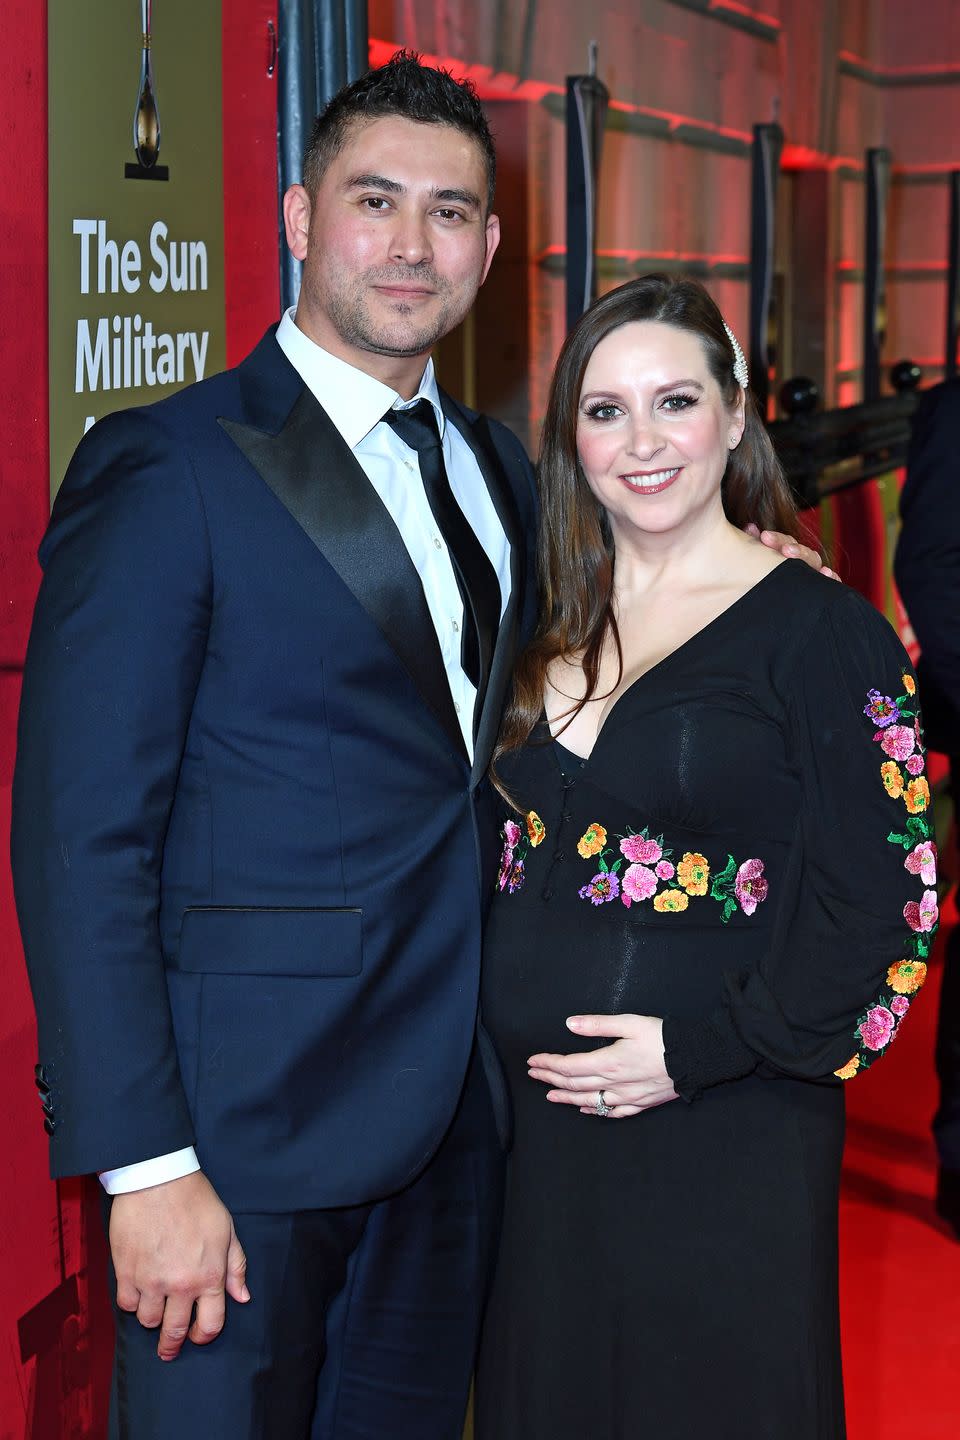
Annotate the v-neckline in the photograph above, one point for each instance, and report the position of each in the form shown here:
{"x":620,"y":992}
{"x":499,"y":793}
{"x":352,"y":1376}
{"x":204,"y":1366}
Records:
{"x":667,"y":659}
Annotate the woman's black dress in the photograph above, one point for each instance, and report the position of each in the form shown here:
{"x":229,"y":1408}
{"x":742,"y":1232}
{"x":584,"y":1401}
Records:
{"x":746,"y":853}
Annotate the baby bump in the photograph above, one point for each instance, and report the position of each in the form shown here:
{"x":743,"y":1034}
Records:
{"x":536,"y":974}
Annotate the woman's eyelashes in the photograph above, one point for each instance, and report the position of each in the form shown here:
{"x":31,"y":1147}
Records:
{"x":602,"y":410}
{"x":673,"y":404}
{"x":678,"y":401}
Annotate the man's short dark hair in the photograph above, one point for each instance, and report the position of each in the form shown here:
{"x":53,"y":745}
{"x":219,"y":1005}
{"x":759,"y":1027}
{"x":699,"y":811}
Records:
{"x":410,"y":90}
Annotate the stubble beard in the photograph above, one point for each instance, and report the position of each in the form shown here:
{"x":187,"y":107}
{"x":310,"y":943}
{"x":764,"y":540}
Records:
{"x":350,"y":313}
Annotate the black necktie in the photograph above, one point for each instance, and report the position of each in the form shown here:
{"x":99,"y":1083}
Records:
{"x":476,"y":578}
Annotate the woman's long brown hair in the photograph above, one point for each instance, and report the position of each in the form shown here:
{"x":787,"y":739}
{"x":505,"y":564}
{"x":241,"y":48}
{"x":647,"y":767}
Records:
{"x":575,"y":545}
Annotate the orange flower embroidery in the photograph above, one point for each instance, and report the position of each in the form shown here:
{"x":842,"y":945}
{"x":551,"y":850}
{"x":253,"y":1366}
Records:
{"x":892,"y":777}
{"x":671,"y":901}
{"x":906,"y":976}
{"x":693,"y":872}
{"x":535,"y":828}
{"x":592,"y":841}
{"x":909,"y":684}
{"x":917,"y":796}
{"x":847,"y":1072}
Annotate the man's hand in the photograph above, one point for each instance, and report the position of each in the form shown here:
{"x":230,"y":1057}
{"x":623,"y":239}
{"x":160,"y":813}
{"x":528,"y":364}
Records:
{"x":629,"y":1075}
{"x":791,"y":548}
{"x":174,"y":1247}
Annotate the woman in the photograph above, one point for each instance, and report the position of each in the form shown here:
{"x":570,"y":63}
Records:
{"x":718,"y":874}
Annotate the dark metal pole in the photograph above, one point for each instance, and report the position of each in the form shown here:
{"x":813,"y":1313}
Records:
{"x":322,"y":45}
{"x":874,"y":280}
{"x":953,"y":277}
{"x":767,"y":147}
{"x":587,"y":99}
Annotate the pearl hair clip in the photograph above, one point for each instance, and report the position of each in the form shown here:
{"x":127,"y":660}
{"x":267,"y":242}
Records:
{"x":740,"y":372}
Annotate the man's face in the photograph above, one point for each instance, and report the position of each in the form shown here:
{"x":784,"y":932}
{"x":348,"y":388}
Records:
{"x":395,"y":243}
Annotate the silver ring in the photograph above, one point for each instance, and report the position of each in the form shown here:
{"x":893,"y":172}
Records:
{"x":601,"y":1107}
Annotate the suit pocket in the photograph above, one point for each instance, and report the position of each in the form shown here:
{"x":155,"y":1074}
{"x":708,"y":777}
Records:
{"x":259,"y":998}
{"x":233,"y":940}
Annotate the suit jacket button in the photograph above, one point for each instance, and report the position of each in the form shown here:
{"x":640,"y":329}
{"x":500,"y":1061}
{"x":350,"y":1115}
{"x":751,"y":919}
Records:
{"x":49,"y":1125}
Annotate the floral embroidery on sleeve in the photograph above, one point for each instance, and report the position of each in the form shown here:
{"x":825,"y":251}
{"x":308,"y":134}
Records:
{"x":900,"y":738}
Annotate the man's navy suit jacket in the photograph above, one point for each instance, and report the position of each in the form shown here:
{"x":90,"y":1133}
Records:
{"x":250,"y":854}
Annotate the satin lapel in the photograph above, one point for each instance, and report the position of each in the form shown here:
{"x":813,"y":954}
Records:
{"x":476,"y":431}
{"x":313,"y":472}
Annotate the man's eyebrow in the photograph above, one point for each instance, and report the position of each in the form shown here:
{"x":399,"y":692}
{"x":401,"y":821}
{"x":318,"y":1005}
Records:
{"x":465,"y":197}
{"x":375,"y":182}
{"x":394,"y":187}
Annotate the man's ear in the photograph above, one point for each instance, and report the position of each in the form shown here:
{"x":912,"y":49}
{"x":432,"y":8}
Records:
{"x":492,"y":239}
{"x":296,"y":220}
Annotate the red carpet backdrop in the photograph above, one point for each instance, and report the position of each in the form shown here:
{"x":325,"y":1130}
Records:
{"x":195,"y":260}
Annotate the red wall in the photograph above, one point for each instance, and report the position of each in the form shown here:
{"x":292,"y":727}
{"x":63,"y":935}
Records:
{"x":54,"y":1317}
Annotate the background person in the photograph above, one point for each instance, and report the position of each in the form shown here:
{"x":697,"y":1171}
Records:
{"x":927,"y":569}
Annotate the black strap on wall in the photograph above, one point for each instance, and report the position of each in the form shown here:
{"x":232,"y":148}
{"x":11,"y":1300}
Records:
{"x":874,"y":279}
{"x":321,"y":46}
{"x":587,"y":99}
{"x":767,"y":147}
{"x":953,"y":277}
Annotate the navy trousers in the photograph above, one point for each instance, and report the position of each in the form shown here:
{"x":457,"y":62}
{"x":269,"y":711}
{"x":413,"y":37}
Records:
{"x":363,"y":1323}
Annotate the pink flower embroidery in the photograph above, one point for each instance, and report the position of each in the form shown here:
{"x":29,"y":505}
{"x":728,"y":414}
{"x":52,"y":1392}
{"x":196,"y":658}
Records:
{"x":915,"y":764}
{"x":511,"y":833}
{"x":876,"y":1027}
{"x":640,"y":850}
{"x":922,"y":861}
{"x":506,"y":865}
{"x":750,"y":886}
{"x":602,"y":888}
{"x":898,"y":742}
{"x":639,"y":883}
{"x":880,"y":709}
{"x":922,"y":917}
{"x":899,"y":1005}
{"x":665,"y":870}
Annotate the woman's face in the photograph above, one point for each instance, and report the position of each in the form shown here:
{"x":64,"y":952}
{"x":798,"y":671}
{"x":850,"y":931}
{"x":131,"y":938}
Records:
{"x":653,"y":431}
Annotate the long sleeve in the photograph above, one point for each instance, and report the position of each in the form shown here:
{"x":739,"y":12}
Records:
{"x":851,"y":937}
{"x":115,"y":654}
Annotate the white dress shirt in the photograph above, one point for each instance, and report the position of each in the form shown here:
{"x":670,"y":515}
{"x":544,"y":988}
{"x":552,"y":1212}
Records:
{"x":356,"y":403}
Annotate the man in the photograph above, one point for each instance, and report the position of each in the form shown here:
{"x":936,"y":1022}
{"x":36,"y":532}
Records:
{"x":927,"y":568}
{"x":275,"y":630}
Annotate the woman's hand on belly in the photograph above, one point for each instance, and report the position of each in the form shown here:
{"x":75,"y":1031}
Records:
{"x":615,"y":1081}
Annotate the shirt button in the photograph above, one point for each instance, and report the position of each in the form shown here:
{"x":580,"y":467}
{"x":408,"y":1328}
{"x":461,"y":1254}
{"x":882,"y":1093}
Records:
{"x":438,"y":543}
{"x":559,"y":855}
{"x":456,"y":627}
{"x":456,"y":706}
{"x":566,"y":815}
